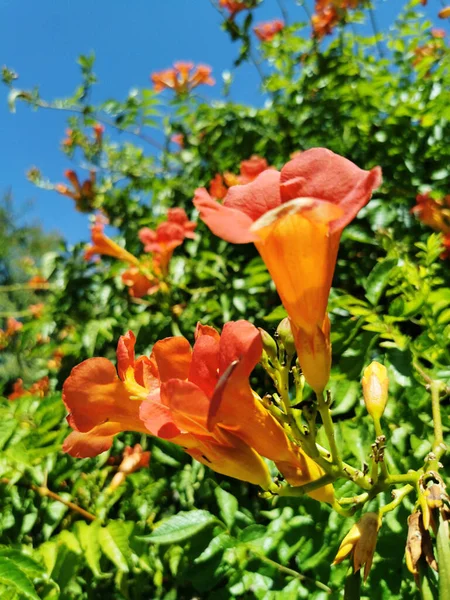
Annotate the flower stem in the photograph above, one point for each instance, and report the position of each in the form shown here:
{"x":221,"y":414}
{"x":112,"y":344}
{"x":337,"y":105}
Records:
{"x":324,"y":410}
{"x":398,"y":497}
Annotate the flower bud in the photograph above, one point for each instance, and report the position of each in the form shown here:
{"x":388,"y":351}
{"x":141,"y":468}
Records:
{"x":444,"y":13}
{"x":361,"y":541}
{"x":284,"y":331}
{"x":269,"y":344}
{"x":375,"y":384}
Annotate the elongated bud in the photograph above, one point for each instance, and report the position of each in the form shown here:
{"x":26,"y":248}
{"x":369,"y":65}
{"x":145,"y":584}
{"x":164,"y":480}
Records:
{"x":286,"y":337}
{"x":444,"y":13}
{"x":375,"y":384}
{"x":360,"y":541}
{"x":314,"y":355}
{"x":269,"y":344}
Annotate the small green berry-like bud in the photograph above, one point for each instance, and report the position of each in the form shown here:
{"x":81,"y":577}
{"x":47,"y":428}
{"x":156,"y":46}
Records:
{"x":375,"y":384}
{"x":269,"y":344}
{"x":286,"y":336}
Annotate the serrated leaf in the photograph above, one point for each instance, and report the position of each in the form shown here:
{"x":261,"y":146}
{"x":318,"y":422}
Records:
{"x":114,"y":543}
{"x":88,"y":536}
{"x":181,"y":527}
{"x":11,"y":575}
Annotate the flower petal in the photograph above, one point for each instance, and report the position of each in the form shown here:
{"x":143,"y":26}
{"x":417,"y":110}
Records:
{"x":257,"y":197}
{"x":319,"y":173}
{"x":173,"y":358}
{"x":93,"y":394}
{"x":125,"y":353}
{"x":205,"y":363}
{"x":92,"y":443}
{"x":227,"y":223}
{"x":240,"y":340}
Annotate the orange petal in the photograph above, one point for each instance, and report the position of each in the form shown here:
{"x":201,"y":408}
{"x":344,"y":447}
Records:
{"x":93,"y":394}
{"x":319,"y":173}
{"x":227,"y":223}
{"x":172,"y":357}
{"x":91,"y":443}
{"x":300,"y":254}
{"x":125,"y":353}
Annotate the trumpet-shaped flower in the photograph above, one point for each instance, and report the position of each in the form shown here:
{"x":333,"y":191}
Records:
{"x":182,"y":78}
{"x":82,"y":193}
{"x":39,"y":389}
{"x":214,"y":402}
{"x":295,"y":218}
{"x":199,"y":399}
{"x":103,"y":245}
{"x":265,"y":32}
{"x":233,"y":6}
{"x":168,"y":235}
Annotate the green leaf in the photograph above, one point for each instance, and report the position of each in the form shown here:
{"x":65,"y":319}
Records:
{"x":11,"y":575}
{"x":181,"y":527}
{"x":378,"y":279}
{"x":114,"y":543}
{"x":228,"y":506}
{"x":89,"y":538}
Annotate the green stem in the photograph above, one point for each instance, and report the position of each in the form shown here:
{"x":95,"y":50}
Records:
{"x":289,"y":571}
{"x":443,"y":555}
{"x":438,"y":446}
{"x":306,"y":488}
{"x":327,"y":421}
{"x":398,"y":497}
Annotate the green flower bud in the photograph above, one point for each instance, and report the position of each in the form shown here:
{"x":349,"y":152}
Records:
{"x":286,"y":336}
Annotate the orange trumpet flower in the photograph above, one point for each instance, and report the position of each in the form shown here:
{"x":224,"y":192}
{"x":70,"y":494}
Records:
{"x":103,"y":245}
{"x":83,"y":194}
{"x":199,"y":399}
{"x":295,"y":218}
{"x":182,"y":78}
{"x":265,"y":32}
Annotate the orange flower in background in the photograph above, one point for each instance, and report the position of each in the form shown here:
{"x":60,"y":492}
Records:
{"x":39,"y":389}
{"x":83,"y":194}
{"x":444,"y":13}
{"x":103,"y":245}
{"x":38,"y":282}
{"x":167,"y":236}
{"x":36,"y":309}
{"x":178,"y":138}
{"x":438,"y":34}
{"x":13,"y":326}
{"x":295,"y":218}
{"x":138,"y":283}
{"x":133,"y":459}
{"x":56,"y":361}
{"x":328,"y":13}
{"x":99,"y":130}
{"x":265,"y":32}
{"x":183,"y":78}
{"x":249,"y":170}
{"x":233,"y":6}
{"x":217,"y":189}
{"x":68,"y":141}
{"x":434,"y":213}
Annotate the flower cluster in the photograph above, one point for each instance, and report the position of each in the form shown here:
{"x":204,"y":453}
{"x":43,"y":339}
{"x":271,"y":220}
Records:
{"x":249,"y":170}
{"x":265,"y":32}
{"x":12,"y":327}
{"x":144,"y":276}
{"x":233,"y":6}
{"x":328,"y":13}
{"x":200,"y":398}
{"x":182,"y":78}
{"x":38,"y":389}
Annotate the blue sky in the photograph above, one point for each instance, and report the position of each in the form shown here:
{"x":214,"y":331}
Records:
{"x":41,"y":40}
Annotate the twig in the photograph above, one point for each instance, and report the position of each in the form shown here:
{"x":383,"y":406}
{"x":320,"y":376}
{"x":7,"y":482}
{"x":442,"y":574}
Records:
{"x":289,"y":571}
{"x":107,"y":122}
{"x":44,"y":491}
{"x":375,"y":30}
{"x":284,"y":11}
